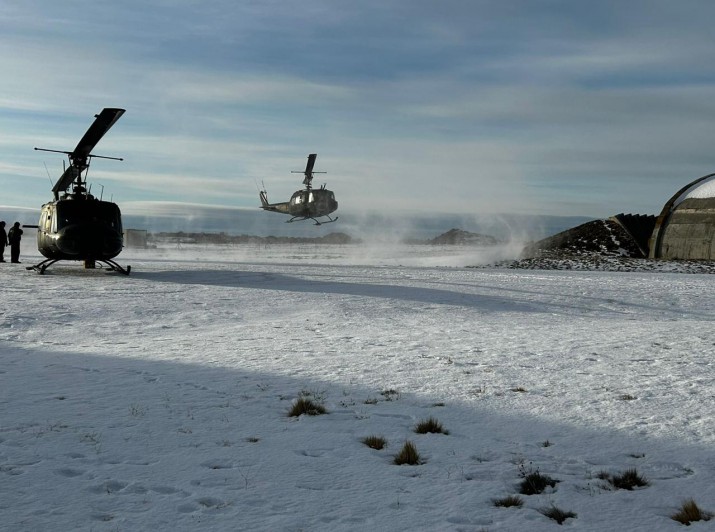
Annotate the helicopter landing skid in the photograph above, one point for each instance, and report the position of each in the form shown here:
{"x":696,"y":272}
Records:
{"x":301,"y":218}
{"x":116,"y":267}
{"x":113,"y":266}
{"x":42,"y":266}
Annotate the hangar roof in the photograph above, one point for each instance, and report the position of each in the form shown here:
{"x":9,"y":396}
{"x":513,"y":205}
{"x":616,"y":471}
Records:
{"x":699,"y":189}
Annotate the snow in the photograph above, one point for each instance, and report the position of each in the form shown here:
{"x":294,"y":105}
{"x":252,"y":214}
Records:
{"x":159,"y":400}
{"x":701,"y":190}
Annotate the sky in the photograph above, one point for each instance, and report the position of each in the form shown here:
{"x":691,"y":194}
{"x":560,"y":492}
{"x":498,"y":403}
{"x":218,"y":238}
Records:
{"x":558,"y":107}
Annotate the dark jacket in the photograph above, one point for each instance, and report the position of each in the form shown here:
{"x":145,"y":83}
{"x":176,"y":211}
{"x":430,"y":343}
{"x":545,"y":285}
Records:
{"x":3,"y":237}
{"x":14,"y":235}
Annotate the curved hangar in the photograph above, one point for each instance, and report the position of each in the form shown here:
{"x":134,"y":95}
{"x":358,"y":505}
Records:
{"x":685,"y":228}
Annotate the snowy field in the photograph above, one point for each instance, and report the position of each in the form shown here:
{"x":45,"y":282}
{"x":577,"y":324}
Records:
{"x":160,"y":401}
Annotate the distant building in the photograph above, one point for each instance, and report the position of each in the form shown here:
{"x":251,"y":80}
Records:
{"x":685,"y":228}
{"x":135,"y":238}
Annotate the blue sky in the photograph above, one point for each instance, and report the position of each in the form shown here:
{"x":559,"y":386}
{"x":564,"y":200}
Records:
{"x":562,"y":107}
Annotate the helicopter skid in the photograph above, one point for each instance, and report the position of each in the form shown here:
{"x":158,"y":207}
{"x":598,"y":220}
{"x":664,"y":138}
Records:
{"x":42,"y":266}
{"x":301,"y":218}
{"x":113,"y":266}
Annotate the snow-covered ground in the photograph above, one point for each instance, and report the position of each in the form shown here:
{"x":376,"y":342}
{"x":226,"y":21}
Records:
{"x":159,"y":401}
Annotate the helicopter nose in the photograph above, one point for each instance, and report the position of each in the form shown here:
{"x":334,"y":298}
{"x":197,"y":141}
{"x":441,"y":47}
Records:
{"x":87,"y":240}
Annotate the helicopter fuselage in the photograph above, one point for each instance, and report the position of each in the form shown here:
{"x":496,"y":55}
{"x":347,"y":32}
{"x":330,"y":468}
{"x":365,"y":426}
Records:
{"x":304,"y":204}
{"x":80,"y":227}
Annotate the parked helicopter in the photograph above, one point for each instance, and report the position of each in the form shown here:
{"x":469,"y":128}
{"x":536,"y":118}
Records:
{"x":76,"y":225}
{"x":308,"y":203}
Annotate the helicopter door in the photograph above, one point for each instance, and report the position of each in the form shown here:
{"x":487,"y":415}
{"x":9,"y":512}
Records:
{"x":47,"y":220}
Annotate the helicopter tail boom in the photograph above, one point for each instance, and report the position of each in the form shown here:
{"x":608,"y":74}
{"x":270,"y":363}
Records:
{"x":275,"y":207}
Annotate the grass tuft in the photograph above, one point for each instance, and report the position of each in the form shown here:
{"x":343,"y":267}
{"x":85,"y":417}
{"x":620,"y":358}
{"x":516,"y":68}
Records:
{"x":628,"y":480}
{"x":408,"y":455}
{"x":375,"y":442}
{"x":390,"y":395}
{"x":535,"y":483}
{"x":430,"y":425}
{"x":690,"y":512}
{"x":557,"y":514}
{"x":508,"y":502}
{"x":305,"y":405}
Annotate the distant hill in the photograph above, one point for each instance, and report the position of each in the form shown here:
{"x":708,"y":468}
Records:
{"x":463,"y":238}
{"x":223,"y":238}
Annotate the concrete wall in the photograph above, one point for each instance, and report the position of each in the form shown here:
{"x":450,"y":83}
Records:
{"x":685,"y":229}
{"x":689,"y":231}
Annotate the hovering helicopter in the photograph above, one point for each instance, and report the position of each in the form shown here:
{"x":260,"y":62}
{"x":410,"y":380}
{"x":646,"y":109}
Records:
{"x":308,"y":203}
{"x":75,"y":225}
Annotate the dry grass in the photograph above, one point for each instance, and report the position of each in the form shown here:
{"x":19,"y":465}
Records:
{"x":690,"y":512}
{"x":557,"y":514}
{"x":304,"y":405}
{"x":430,"y":425}
{"x":627,"y":480}
{"x":508,"y":502}
{"x":375,"y":442}
{"x":535,"y":483}
{"x":408,"y":455}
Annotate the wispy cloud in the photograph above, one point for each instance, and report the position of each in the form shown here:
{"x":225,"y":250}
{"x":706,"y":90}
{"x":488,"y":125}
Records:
{"x":562,"y":107}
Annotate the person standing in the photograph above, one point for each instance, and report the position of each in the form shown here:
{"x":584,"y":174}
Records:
{"x":3,"y":241}
{"x":14,"y":236}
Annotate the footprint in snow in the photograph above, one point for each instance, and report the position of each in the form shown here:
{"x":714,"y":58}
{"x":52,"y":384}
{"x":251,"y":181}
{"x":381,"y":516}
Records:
{"x":69,"y":473}
{"x":218,"y":464}
{"x":111,"y":486}
{"x":166,"y":490}
{"x":211,"y":502}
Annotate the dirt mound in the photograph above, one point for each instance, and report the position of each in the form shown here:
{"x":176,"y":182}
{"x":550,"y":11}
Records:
{"x":599,"y":237}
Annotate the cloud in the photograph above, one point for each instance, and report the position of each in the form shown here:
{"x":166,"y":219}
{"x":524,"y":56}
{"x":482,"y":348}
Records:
{"x":564,"y":107}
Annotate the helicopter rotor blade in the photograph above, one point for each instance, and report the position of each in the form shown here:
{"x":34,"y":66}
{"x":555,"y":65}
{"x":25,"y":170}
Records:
{"x":308,"y":172}
{"x":102,"y":123}
{"x":79,"y":158}
{"x":311,"y":162}
{"x":309,"y":169}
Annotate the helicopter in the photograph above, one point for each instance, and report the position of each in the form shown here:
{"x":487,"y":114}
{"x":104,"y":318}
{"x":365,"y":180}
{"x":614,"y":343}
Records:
{"x":306,"y":204}
{"x":75,"y":225}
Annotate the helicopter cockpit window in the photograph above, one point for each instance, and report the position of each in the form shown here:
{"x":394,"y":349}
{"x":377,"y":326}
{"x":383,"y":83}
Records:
{"x":74,"y":212}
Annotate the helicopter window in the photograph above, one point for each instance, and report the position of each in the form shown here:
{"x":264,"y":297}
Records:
{"x":77,"y":212}
{"x":310,"y":198}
